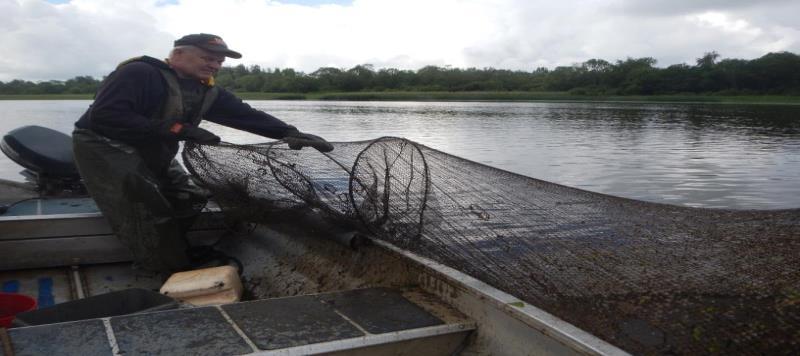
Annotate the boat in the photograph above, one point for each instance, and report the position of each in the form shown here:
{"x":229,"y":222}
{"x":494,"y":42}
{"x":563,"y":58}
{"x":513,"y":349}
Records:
{"x":309,"y":287}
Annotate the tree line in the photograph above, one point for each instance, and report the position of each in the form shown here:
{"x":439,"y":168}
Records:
{"x":773,"y":73}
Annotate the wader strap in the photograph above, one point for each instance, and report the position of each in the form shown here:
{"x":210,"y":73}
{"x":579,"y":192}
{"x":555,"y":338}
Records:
{"x":173,"y":105}
{"x":208,"y":100}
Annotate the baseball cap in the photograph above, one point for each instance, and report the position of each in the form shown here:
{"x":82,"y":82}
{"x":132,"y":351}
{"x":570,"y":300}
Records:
{"x":209,"y":42}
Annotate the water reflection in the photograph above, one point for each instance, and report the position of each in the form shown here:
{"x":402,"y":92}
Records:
{"x":731,"y":156}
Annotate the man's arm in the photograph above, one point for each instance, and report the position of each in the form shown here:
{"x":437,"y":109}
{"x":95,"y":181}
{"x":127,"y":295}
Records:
{"x":126,"y":101}
{"x":229,"y":110}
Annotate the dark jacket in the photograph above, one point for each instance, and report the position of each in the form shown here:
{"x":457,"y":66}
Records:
{"x":134,"y":93}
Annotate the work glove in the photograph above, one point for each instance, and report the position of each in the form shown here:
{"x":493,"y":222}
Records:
{"x":189,"y":132}
{"x":298,"y":140}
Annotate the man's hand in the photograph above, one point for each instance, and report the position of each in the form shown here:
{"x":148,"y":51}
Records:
{"x":190,"y":132}
{"x":298,"y":140}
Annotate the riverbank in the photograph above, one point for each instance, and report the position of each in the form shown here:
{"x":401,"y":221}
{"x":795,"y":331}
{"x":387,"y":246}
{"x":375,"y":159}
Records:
{"x":477,"y":96}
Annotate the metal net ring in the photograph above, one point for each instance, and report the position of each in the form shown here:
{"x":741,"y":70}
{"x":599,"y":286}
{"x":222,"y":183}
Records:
{"x":388,"y":187}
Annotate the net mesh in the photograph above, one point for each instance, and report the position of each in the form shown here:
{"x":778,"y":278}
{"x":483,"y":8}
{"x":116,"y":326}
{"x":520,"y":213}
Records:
{"x":646,"y":277}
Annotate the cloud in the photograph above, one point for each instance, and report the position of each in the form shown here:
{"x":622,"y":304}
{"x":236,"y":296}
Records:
{"x":46,"y":41}
{"x":275,"y":34}
{"x":684,"y":7}
{"x":89,"y":37}
{"x":742,"y":28}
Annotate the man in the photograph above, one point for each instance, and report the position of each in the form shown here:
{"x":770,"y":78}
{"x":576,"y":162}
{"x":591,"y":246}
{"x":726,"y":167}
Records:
{"x":125,"y":145}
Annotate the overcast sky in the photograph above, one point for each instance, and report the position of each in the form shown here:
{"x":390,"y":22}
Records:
{"x":61,"y":39}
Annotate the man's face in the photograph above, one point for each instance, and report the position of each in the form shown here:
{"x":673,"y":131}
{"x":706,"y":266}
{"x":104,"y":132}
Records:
{"x":197,"y":63}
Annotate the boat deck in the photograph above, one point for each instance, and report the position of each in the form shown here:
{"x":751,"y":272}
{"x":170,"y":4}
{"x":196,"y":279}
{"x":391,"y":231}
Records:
{"x":357,"y":321}
{"x":303,"y":284}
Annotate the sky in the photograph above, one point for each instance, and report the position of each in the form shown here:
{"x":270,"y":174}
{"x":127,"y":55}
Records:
{"x":61,"y":39}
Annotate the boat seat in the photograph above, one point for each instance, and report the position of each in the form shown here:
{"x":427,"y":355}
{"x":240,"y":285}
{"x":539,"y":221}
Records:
{"x":46,"y":152}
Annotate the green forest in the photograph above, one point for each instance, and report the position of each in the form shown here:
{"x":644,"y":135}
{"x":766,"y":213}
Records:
{"x":772,"y":74}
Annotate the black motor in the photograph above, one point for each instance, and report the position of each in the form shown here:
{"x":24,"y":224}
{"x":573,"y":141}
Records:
{"x":47,"y":157}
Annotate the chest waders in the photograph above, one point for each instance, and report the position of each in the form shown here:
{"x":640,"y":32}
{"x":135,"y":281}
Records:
{"x":144,"y":193}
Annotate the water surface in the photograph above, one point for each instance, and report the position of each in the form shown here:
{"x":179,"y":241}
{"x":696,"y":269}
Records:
{"x":721,"y":156}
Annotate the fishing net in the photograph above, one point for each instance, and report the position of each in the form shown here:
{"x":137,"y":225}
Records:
{"x":646,"y":277}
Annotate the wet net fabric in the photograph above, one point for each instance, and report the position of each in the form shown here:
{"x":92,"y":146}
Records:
{"x":646,"y":277}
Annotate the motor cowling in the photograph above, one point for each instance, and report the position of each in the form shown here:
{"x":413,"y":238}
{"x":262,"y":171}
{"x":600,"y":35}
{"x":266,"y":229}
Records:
{"x":46,"y":155}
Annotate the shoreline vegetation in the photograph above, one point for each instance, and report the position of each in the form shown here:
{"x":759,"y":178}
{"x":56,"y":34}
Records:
{"x":489,"y":96}
{"x":770,"y":79}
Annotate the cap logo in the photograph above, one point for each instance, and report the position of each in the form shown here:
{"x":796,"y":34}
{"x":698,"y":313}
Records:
{"x":217,"y":41}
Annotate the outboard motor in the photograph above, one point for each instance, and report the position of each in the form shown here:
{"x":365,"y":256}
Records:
{"x":47,"y":157}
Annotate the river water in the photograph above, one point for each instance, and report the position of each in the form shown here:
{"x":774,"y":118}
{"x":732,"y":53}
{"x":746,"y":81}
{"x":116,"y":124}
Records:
{"x":718,"y":156}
